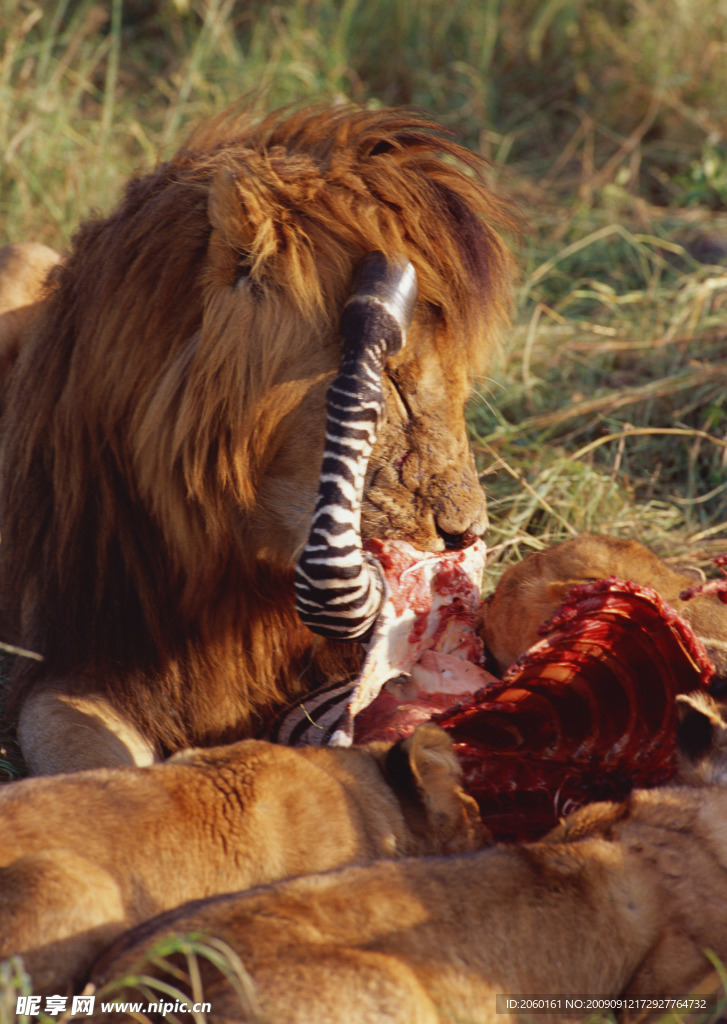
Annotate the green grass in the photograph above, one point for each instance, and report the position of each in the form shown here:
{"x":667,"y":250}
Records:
{"x":180,"y":959}
{"x":607,"y":408}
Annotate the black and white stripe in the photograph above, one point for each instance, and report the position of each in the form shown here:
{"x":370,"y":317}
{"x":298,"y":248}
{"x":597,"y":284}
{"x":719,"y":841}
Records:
{"x":339,"y":588}
{"x":319,"y":717}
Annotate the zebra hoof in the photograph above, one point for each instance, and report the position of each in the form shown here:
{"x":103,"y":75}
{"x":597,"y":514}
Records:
{"x":381,"y":302}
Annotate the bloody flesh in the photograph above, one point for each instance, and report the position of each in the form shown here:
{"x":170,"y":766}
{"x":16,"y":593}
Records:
{"x":587,"y":713}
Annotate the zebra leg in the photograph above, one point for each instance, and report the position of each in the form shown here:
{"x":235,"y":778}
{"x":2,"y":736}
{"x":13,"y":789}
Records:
{"x":338,"y":588}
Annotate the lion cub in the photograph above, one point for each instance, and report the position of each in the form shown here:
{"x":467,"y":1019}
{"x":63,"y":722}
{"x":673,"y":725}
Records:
{"x":85,"y":856}
{"x":619,"y":898}
{"x":531,"y":591}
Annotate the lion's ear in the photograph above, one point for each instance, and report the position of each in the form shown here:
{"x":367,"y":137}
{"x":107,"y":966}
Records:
{"x":425,"y":774}
{"x":431,"y":758}
{"x":232,"y":234}
{"x":702,"y":731}
{"x":226,"y":211}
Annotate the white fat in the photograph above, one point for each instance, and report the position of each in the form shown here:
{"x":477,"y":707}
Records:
{"x":444,"y":673}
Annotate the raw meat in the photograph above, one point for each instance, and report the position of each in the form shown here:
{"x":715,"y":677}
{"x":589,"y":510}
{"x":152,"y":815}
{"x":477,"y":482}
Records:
{"x":429,"y":605}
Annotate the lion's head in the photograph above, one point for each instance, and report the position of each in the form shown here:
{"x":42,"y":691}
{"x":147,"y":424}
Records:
{"x":165,"y":424}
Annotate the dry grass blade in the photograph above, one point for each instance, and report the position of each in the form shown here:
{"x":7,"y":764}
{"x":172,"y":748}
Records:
{"x":648,"y":432}
{"x":537,"y":498}
{"x":714,"y":376}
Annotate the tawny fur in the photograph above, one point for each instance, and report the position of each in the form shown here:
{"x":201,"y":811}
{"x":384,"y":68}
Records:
{"x":164,"y":430}
{"x":24,"y":269}
{"x":621,"y":898}
{"x":531,"y":591}
{"x":85,"y":856}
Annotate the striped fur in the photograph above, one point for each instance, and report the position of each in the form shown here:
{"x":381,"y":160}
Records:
{"x":317,"y":719}
{"x":339,"y":589}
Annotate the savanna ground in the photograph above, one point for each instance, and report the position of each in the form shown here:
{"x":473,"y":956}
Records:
{"x":607,"y":407}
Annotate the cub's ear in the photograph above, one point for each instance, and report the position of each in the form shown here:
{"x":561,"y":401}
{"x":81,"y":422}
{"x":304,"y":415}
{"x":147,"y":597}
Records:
{"x":702,"y":735}
{"x":426,"y":776}
{"x":431,"y":758}
{"x":699,"y":720}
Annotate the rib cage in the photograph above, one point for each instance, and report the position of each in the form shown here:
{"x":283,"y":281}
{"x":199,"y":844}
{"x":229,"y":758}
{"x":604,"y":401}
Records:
{"x":338,"y":588}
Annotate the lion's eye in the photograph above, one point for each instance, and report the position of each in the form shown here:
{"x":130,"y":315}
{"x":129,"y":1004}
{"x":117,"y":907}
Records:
{"x":244,"y":281}
{"x":243,"y":269}
{"x":403,"y":401}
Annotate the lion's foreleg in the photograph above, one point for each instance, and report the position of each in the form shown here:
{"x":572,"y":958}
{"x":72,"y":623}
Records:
{"x":339,"y":591}
{"x":66,"y":727}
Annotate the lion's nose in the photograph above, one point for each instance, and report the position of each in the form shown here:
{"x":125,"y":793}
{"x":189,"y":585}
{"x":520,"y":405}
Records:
{"x":456,"y":541}
{"x":460,"y":514}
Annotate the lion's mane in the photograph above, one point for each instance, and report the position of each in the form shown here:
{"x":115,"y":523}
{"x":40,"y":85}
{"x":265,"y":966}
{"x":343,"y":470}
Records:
{"x":150,"y":403}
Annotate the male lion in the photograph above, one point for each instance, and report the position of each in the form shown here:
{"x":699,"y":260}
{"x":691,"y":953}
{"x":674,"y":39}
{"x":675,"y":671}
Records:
{"x":165,"y":423}
{"x":85,"y":856}
{"x":620,"y":898}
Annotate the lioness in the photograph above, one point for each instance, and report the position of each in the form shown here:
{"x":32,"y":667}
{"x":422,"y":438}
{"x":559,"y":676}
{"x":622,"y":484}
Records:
{"x":530,"y":592}
{"x":24,"y":268}
{"x":85,"y":856}
{"x":620,"y":898}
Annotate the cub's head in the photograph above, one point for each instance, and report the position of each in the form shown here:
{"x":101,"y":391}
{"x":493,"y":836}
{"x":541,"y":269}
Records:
{"x":426,"y":777}
{"x":531,"y":591}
